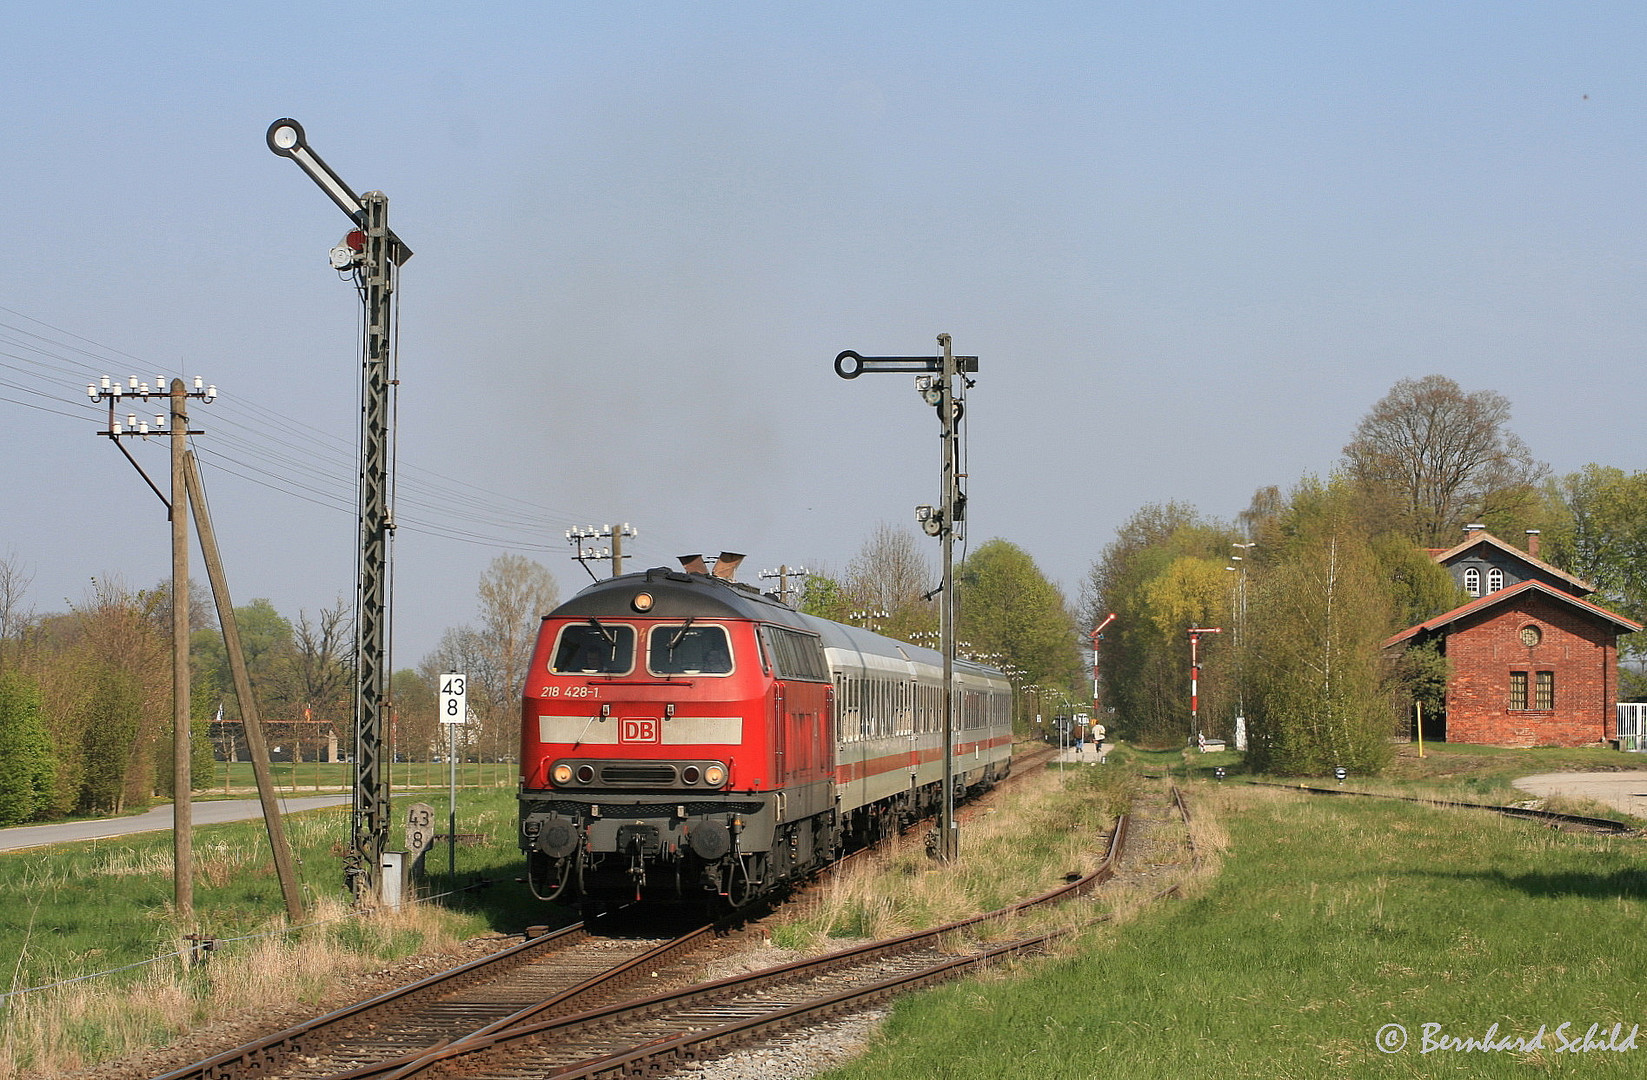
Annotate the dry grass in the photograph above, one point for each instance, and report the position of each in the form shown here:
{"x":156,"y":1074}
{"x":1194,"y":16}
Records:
{"x":58,"y":1031}
{"x":1043,"y":827}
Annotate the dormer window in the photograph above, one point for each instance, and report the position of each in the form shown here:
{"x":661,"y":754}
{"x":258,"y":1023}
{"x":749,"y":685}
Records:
{"x":1495,"y":580}
{"x":1472,"y":581}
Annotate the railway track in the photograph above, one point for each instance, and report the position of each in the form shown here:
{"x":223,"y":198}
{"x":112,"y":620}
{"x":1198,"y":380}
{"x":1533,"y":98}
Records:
{"x":550,"y":972}
{"x":668,"y":1030}
{"x":1548,"y":817}
{"x":570,"y":980}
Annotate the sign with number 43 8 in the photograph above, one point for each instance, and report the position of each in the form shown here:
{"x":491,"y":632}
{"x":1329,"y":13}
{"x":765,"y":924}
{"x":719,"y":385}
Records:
{"x":454,"y":708}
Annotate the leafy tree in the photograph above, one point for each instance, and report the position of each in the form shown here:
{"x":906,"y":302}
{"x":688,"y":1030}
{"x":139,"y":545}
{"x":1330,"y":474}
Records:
{"x":1158,"y":578}
{"x":117,"y":771}
{"x":266,"y":644}
{"x":1605,"y":542}
{"x":417,"y":731}
{"x":1009,"y":610}
{"x":28,"y":765}
{"x":823,"y":595}
{"x":1429,"y":457}
{"x":1319,"y":693}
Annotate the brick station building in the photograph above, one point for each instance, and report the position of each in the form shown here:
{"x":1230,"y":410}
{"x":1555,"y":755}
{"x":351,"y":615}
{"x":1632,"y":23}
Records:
{"x":1533,"y":662}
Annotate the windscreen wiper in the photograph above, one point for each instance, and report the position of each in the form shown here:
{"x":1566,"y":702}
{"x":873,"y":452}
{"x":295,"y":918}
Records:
{"x":676,"y":640}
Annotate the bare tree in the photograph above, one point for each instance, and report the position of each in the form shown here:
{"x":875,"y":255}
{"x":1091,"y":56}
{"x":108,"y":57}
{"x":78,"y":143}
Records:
{"x":321,"y":661}
{"x":514,"y":594}
{"x":1430,"y":457}
{"x":14,"y":583}
{"x":891,"y":574}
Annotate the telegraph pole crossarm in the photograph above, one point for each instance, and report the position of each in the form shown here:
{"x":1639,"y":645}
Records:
{"x":783,"y":573}
{"x":942,"y":383}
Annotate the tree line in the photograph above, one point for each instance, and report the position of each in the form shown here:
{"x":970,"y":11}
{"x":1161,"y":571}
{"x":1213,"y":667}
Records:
{"x":1308,"y":583}
{"x":85,"y":695}
{"x":1304,"y":585}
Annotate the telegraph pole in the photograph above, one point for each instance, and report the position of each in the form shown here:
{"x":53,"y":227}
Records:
{"x":943,"y":386}
{"x":783,"y":574}
{"x":177,"y":397}
{"x":373,"y":253}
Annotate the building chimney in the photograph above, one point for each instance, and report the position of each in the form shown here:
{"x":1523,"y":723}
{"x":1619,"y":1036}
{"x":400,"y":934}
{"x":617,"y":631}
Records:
{"x":694,"y":564}
{"x":1532,"y":542}
{"x":1471,"y":530}
{"x":726,"y":567}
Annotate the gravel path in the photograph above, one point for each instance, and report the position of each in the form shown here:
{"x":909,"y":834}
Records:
{"x":1626,"y":791}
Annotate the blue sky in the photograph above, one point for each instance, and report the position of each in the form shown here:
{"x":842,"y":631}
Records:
{"x":1191,"y":243}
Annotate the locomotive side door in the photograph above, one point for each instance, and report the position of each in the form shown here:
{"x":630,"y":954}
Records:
{"x":782,"y":768}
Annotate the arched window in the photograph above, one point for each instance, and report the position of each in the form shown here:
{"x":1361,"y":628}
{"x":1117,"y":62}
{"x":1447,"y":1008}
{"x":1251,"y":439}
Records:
{"x":1472,"y":581}
{"x":1495,"y":580}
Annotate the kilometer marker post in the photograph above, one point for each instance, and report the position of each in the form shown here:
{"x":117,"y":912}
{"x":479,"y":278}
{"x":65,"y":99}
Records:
{"x":454,"y":710}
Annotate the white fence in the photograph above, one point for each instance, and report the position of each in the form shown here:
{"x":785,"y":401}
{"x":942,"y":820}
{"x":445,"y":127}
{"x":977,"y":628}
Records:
{"x":1632,"y":725}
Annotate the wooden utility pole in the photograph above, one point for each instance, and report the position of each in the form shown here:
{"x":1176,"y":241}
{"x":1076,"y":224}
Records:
{"x":182,"y":774}
{"x":249,"y":716}
{"x":113,"y":392}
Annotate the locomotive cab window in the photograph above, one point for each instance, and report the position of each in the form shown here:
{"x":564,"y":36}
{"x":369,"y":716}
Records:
{"x":685,"y":649}
{"x":593,"y":648}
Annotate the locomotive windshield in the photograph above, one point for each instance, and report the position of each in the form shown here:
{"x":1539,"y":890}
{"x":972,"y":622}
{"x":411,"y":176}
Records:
{"x":594,"y":648}
{"x":688,"y":650}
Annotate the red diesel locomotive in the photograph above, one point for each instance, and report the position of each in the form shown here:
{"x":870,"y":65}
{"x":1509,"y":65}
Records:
{"x":684,"y":736}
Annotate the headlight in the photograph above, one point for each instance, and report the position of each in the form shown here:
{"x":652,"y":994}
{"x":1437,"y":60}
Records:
{"x":714,"y":775}
{"x":561,"y":774}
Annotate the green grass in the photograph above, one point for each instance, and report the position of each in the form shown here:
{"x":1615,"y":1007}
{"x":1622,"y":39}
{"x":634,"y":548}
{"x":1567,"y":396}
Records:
{"x":73,"y":909}
{"x":1330,"y":919}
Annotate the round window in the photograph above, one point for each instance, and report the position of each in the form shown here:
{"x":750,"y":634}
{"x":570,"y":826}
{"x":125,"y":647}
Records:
{"x":1531,"y":635}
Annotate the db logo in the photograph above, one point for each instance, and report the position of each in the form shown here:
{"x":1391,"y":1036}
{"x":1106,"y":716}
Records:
{"x":637,"y":731}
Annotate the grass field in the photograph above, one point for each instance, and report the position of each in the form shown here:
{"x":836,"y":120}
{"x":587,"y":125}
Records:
{"x":1330,"y":919}
{"x":309,"y":776}
{"x":72,"y":910}
{"x":1319,"y":922}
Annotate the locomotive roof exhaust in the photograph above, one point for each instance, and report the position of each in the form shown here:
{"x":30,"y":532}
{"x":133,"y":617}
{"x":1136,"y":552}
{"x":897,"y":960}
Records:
{"x":726,"y":567}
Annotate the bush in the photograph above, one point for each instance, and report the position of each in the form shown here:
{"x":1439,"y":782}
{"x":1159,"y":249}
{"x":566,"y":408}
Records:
{"x":28,"y":765}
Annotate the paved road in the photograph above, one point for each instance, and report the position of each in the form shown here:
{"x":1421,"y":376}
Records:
{"x":159,"y":819}
{"x":1627,"y":791}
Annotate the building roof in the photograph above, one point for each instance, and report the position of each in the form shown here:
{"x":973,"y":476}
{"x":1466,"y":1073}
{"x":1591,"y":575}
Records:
{"x":1625,"y":626}
{"x":1482,"y":536}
